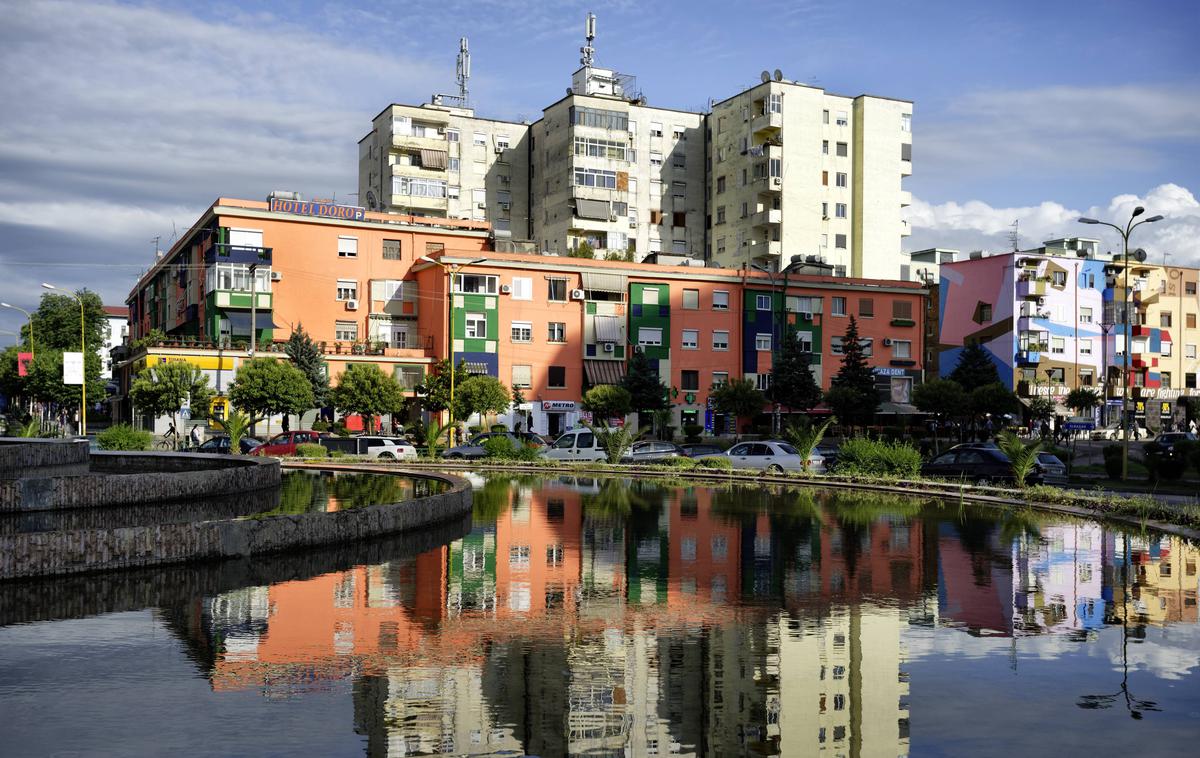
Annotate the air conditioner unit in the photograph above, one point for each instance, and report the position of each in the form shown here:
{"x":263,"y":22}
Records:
{"x":805,"y":316}
{"x":633,"y":225}
{"x":1041,"y":301}
{"x":576,"y":294}
{"x":480,"y":205}
{"x":777,"y":181}
{"x":505,"y":289}
{"x":612,"y":218}
{"x":609,"y":347}
{"x":499,"y":149}
{"x":887,"y":341}
{"x":441,"y":130}
{"x":505,"y":206}
{"x":277,"y":276}
{"x":351,"y":305}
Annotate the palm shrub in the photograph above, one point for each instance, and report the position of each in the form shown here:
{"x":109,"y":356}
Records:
{"x":124,"y":437}
{"x":434,"y":432}
{"x":236,"y":425}
{"x":806,"y":438}
{"x":311,"y":450}
{"x":866,"y":456}
{"x":1112,"y":461}
{"x":1022,"y":457}
{"x":615,"y":440}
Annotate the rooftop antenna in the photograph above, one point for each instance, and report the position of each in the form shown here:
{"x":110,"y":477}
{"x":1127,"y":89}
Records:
{"x":588,"y":57}
{"x":462,"y":71}
{"x":157,"y":247}
{"x":1015,"y":235}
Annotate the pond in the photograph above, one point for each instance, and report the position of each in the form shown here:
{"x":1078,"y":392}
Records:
{"x":618,"y":617}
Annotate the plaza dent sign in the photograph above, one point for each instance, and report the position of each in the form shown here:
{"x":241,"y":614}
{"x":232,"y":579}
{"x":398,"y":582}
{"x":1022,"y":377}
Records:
{"x":322,"y":210}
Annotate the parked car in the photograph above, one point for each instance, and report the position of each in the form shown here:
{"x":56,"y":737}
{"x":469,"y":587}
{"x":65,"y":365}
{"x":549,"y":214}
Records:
{"x":1164,"y":444}
{"x":1050,"y":470}
{"x":388,"y":448}
{"x":697,"y":449}
{"x":220,"y":444}
{"x":285,"y":443}
{"x":1113,"y":432}
{"x":575,"y":445}
{"x":773,"y":456}
{"x":652,"y":451}
{"x":978,"y":464}
{"x":474,"y":447}
{"x":829,"y":451}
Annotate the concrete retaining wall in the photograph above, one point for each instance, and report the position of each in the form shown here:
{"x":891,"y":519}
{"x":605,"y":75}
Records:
{"x":52,"y":553}
{"x":28,"y":457}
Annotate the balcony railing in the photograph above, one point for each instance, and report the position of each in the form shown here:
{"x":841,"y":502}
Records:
{"x":223,"y":252}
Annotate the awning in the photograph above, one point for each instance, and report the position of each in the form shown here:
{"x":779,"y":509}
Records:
{"x":898,"y":409}
{"x":480,"y":369}
{"x":239,"y":322}
{"x":594,"y":209}
{"x":433,"y":158}
{"x":608,"y":329}
{"x":598,"y":282}
{"x":603,"y":372}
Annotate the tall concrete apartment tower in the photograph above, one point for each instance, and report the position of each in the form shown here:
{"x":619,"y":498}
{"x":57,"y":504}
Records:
{"x":799,"y":171}
{"x":613,"y":172}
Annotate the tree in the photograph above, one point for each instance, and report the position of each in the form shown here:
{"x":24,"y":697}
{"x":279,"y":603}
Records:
{"x":993,"y":399}
{"x":237,"y":425}
{"x":437,"y":385}
{"x":806,"y":438}
{"x":265,"y":386}
{"x":607,"y":401}
{"x":852,"y":395}
{"x":738,"y":398}
{"x":518,"y":399}
{"x":792,"y":382}
{"x":56,"y":322}
{"x":646,"y":391}
{"x":615,"y":440}
{"x":364,"y":389}
{"x":943,"y":398}
{"x":44,"y":381}
{"x":480,"y":394}
{"x":162,"y":390}
{"x":1082,"y":400}
{"x":975,"y":368}
{"x":307,"y":357}
{"x":583,"y":250}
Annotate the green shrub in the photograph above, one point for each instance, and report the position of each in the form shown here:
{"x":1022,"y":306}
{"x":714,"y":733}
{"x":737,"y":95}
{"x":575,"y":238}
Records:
{"x":499,"y":448}
{"x":473,"y":430}
{"x":498,"y":428}
{"x":717,"y":463}
{"x":692,"y":432}
{"x":862,"y":455}
{"x":124,"y":437}
{"x":320,"y":425}
{"x":1164,"y":468}
{"x":527,"y":454}
{"x":683,"y":463}
{"x":1112,"y":461}
{"x":311,"y":450}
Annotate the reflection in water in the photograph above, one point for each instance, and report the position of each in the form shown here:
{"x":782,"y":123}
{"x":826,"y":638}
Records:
{"x":612,"y":617}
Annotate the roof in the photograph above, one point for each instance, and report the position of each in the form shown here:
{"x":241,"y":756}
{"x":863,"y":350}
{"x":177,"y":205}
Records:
{"x":117,"y":310}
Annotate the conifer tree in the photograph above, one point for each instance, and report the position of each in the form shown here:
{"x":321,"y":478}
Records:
{"x":852,"y":395}
{"x":792,"y":382}
{"x":306,"y":356}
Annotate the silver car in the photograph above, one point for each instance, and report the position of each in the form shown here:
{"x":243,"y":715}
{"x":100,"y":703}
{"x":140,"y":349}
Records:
{"x":772,"y":456}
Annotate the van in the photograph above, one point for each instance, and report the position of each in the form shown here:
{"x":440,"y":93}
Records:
{"x":576,"y":445}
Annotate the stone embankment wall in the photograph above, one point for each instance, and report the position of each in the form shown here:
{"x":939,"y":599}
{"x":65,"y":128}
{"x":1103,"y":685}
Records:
{"x":30,"y":457}
{"x":67,"y":552}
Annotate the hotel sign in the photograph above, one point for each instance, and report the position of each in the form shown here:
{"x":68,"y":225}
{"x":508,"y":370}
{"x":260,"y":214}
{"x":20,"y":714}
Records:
{"x":321,"y":210}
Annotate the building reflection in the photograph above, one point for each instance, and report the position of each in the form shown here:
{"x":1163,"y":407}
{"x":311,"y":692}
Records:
{"x":622,"y":618}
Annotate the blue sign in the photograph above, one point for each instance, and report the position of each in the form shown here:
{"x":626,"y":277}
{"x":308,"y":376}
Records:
{"x":887,"y":371}
{"x":323,"y":210}
{"x":1079,"y":426}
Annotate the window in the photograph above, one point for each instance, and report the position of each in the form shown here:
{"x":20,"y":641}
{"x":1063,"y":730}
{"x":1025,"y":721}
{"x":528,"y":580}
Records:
{"x":902,"y":309}
{"x":1189,"y":288}
{"x":1165,"y":378}
{"x":1085,"y":315}
{"x":825,"y":147}
{"x":556,"y":290}
{"x":691,"y":299}
{"x":745,"y":210}
{"x":841,"y":179}
{"x":1165,"y":349}
{"x":679,"y":246}
{"x":1191,"y":321}
{"x":843,"y":119}
{"x":347,"y":289}
{"x":839,"y":242}
{"x":689,"y":380}
{"x":720,"y":184}
{"x":522,"y":288}
{"x":409,"y":377}
{"x":480,"y":139}
{"x":1057,"y":345}
{"x":906,"y":151}
{"x":720,"y":340}
{"x":691,"y":339}
{"x":452,"y":135}
{"x":1164,"y":319}
{"x":762,"y":382}
{"x":454,"y":164}
{"x":719,"y":378}
{"x":391,"y":250}
{"x":594,"y":177}
{"x":599,"y":117}
{"x":476,"y":326}
{"x":824,"y":211}
{"x":762,"y":302}
{"x":720,"y":214}
{"x":649,"y":336}
{"x":835,"y":345}
{"x":824,"y":178}
{"x":417,"y":187}
{"x":839,"y":306}
{"x":906,"y":122}
{"x":1189,"y":351}
{"x":522,"y":331}
{"x":839,"y":210}
{"x":762,"y":342}
{"x":720,"y":300}
{"x":556,"y":331}
{"x":656,"y":159}
{"x":522,"y":376}
{"x":1189,"y":380}
{"x":678,"y":159}
{"x":347,"y":247}
{"x":656,"y":129}
{"x":866,"y":307}
{"x":476,"y":284}
{"x":805,"y":341}
{"x":557,"y":377}
{"x":1085,"y":347}
{"x":345,"y":331}
{"x":1086,"y":377}
{"x":901,"y":349}
{"x":650,"y":296}
{"x":843,"y":149}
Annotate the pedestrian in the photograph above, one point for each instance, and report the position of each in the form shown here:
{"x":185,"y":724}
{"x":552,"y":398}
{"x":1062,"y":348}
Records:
{"x":1192,"y":426}
{"x":195,"y":436}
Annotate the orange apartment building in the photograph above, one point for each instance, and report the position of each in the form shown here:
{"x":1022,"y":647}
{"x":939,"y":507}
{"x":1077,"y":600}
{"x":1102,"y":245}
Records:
{"x":364,"y":286}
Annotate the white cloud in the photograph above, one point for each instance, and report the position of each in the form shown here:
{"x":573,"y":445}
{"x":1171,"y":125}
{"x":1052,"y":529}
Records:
{"x":975,"y":225}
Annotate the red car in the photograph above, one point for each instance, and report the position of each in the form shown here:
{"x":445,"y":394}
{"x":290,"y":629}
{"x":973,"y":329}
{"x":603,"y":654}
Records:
{"x":285,"y":443}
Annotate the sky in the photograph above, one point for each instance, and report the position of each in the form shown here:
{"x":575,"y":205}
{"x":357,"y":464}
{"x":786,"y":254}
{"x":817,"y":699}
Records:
{"x":123,"y":121}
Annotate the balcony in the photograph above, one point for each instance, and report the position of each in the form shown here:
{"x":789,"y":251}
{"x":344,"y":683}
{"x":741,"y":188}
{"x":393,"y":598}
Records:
{"x":763,"y":249}
{"x":768,"y":185}
{"x":905,"y":198}
{"x":766,"y":124}
{"x":1030,"y":286}
{"x":419,"y":202}
{"x":769,"y":217}
{"x":1030,"y":355}
{"x":409,"y":142}
{"x":226,"y":253}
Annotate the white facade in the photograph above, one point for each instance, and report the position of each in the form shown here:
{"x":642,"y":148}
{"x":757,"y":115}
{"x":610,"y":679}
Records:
{"x":118,"y":332}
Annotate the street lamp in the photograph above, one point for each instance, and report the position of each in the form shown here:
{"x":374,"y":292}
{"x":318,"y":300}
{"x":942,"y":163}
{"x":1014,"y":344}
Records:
{"x":1125,"y":232}
{"x":29,"y":318}
{"x":1106,"y":326}
{"x":451,"y":269}
{"x":83,"y":355}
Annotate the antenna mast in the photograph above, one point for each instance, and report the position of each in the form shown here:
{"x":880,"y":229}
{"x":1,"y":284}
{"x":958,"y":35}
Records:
{"x":1015,"y":235}
{"x":463,"y":70}
{"x":588,"y":57}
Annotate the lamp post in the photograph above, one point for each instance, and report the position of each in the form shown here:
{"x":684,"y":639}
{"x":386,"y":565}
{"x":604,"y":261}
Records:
{"x":83,"y":354}
{"x":1125,"y":330}
{"x":29,"y":318}
{"x":451,"y":269}
{"x":1105,"y":327}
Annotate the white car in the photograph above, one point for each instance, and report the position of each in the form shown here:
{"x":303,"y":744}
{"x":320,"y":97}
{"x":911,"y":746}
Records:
{"x":575,"y":445}
{"x":388,"y":449}
{"x":772,"y":456}
{"x":1114,"y":432}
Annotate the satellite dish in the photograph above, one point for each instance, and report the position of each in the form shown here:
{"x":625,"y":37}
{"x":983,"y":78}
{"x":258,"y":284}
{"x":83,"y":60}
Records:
{"x":1140,"y":254}
{"x":765,"y":76}
{"x":778,"y":75}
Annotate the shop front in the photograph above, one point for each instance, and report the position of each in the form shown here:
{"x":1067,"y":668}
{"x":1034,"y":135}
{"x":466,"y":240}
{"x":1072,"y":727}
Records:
{"x":553,"y":417}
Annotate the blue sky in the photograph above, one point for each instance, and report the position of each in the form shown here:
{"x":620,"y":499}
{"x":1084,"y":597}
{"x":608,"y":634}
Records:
{"x":124,"y":120}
